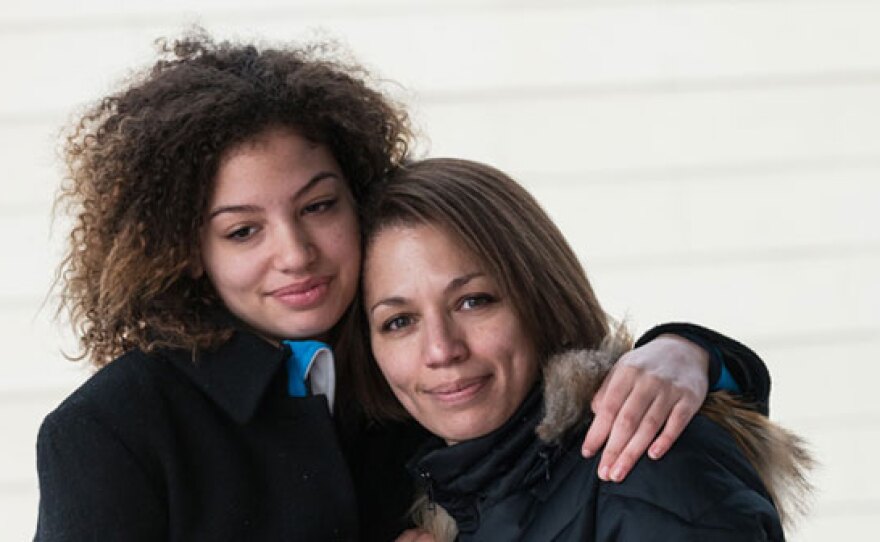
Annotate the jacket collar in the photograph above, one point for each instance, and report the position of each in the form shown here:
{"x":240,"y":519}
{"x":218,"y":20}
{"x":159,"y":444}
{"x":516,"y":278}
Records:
{"x":236,"y":375}
{"x":477,"y":473}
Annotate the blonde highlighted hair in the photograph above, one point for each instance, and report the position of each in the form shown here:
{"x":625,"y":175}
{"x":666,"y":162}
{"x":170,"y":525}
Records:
{"x":141,"y":164}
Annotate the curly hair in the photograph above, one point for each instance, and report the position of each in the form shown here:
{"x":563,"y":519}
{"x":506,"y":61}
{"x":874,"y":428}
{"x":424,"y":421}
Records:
{"x":141,"y":164}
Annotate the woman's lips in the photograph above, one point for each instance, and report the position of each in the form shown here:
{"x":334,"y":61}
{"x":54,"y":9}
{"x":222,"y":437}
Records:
{"x":460,"y":391}
{"x":304,"y":294}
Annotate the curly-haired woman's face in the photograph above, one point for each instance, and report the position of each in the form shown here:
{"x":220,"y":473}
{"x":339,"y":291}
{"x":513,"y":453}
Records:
{"x":280,"y":243}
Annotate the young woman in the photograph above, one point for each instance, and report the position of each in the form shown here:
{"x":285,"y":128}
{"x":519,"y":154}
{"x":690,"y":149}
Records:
{"x":216,"y":202}
{"x":473,"y":301}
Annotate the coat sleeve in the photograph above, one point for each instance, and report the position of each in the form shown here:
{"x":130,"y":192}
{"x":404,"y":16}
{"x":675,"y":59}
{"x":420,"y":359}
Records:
{"x":92,"y":487}
{"x":736,"y":518}
{"x":747,"y":369}
{"x":704,"y":488}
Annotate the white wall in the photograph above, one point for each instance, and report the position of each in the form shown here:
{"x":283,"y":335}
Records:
{"x":712,"y":161}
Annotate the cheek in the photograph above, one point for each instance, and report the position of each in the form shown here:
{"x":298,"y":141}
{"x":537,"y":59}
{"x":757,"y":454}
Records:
{"x":350,"y":254}
{"x":526,"y":367}
{"x":519,"y":357}
{"x":346,"y":259}
{"x":348,"y":242}
{"x":340,"y":243}
{"x":210,"y":258}
{"x":391,"y":358}
{"x":227,"y":272}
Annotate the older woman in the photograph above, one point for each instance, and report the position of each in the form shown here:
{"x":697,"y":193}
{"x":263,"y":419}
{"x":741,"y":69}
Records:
{"x":473,"y":300}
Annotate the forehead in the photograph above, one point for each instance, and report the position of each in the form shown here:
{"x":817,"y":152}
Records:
{"x":413,"y":255}
{"x":275,"y":159}
{"x":419,"y":238}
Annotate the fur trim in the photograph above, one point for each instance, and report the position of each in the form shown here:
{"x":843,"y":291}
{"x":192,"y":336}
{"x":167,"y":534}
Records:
{"x":572,"y":378}
{"x":433,"y":519}
{"x":781,"y":458}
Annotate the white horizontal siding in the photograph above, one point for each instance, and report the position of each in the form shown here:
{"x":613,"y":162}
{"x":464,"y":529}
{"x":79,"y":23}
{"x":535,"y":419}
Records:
{"x":440,"y":50}
{"x":801,"y":396}
{"x":750,"y":299}
{"x":715,"y":215}
{"x":714,"y":161}
{"x":39,"y":345}
{"x":620,"y":131}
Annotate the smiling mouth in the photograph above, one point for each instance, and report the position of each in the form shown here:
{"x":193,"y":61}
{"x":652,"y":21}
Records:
{"x":303,"y":295}
{"x":459,"y":391}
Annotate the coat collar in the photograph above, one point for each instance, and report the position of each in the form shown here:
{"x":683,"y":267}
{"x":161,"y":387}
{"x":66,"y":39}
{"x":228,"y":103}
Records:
{"x":236,"y":375}
{"x":474,"y":474}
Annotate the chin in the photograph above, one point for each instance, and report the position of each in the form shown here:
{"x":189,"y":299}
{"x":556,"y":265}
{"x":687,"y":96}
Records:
{"x":469,"y":431}
{"x":304,"y":333}
{"x":292,"y":332}
{"x":306,"y":328}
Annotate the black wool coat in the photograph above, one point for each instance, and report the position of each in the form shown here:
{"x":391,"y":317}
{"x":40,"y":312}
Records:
{"x":155,"y":447}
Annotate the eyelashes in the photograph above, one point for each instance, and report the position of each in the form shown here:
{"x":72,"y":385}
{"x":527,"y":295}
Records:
{"x":320,"y":206}
{"x":245,"y":232}
{"x":466,"y":303}
{"x":475,"y":301}
{"x":242,"y":233}
{"x":396,"y":322}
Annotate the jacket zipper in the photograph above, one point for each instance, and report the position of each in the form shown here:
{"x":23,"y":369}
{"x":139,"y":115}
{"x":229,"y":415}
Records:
{"x":429,"y":487}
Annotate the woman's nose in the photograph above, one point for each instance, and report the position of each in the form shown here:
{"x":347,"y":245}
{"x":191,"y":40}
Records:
{"x":445,"y":342}
{"x":293,"y":249}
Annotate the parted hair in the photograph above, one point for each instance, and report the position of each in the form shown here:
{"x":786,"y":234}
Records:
{"x":140,"y":169}
{"x":501,"y":225}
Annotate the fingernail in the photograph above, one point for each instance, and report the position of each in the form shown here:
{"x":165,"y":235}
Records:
{"x":655,"y":452}
{"x":586,"y":452}
{"x":603,"y":473}
{"x":617,"y":475}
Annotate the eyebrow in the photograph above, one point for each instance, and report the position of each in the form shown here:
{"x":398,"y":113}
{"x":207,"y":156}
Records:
{"x":254,"y":208}
{"x":454,"y":284}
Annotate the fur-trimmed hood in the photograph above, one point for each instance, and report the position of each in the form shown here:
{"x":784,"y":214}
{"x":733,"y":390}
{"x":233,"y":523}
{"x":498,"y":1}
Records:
{"x":780,"y":457}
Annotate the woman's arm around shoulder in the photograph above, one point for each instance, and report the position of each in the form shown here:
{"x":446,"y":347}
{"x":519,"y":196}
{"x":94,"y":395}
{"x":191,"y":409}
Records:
{"x":654,"y":390}
{"x":748,"y":374}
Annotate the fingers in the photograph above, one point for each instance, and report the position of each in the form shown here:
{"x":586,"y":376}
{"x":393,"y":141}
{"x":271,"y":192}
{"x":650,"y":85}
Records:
{"x":637,"y":423}
{"x":597,"y":434}
{"x":682,"y":413}
{"x":630,"y":438}
{"x":663,"y":379}
{"x":606,"y":404}
{"x":414,"y":535}
{"x":636,"y":444}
